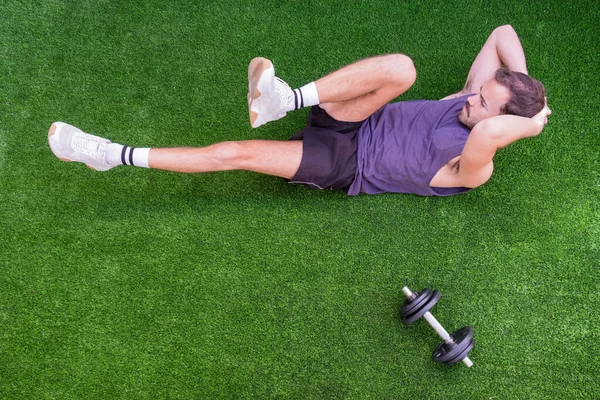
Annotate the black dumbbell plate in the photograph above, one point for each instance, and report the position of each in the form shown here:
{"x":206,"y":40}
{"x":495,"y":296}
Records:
{"x":423,"y":302}
{"x":451,"y":353}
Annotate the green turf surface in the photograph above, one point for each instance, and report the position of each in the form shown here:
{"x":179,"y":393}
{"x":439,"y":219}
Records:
{"x":146,"y":284}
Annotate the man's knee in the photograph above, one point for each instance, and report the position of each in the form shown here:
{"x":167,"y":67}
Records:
{"x":230,"y":155}
{"x":401,"y":69}
{"x":398,"y":69}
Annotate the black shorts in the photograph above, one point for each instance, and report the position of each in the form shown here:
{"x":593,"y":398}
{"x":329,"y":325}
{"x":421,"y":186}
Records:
{"x":328,"y":151}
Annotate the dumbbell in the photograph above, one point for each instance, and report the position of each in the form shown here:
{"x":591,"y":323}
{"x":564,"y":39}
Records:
{"x":456,"y":346}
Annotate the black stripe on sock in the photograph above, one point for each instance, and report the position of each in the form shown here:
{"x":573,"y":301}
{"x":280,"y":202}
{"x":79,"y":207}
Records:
{"x":301,"y":99}
{"x":123,"y":155}
{"x":295,"y":100}
{"x":131,"y":157}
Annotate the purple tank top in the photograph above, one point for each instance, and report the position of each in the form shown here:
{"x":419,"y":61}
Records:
{"x":403,"y":145}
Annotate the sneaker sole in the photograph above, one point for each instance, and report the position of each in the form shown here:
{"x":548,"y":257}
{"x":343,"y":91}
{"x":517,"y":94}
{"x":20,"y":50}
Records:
{"x":255,"y":70}
{"x":51,"y":132}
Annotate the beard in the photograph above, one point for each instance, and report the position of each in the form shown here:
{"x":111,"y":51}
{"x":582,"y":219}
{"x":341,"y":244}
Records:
{"x":464,"y":116}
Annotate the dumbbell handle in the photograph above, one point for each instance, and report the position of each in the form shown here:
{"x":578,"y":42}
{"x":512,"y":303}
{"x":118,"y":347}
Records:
{"x":437,"y":327}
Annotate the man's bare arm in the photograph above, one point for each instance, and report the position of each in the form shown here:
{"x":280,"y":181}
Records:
{"x":490,"y":135}
{"x":502,"y":48}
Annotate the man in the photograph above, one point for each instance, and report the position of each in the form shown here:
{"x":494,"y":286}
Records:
{"x":355,"y":139}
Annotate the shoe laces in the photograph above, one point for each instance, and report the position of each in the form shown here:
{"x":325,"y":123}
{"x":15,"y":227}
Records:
{"x":90,"y":145}
{"x":285,"y":91}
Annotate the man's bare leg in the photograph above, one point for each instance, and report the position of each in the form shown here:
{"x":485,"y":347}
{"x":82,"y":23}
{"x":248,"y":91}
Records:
{"x":278,"y":158}
{"x":351,"y":93}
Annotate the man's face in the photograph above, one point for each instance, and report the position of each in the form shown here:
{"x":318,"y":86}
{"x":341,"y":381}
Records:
{"x":487,"y":103}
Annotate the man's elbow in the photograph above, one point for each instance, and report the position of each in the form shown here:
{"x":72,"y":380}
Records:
{"x":476,"y":178}
{"x":504,"y":29}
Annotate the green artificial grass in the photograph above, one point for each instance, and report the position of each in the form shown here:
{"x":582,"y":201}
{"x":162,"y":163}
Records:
{"x":146,"y":284}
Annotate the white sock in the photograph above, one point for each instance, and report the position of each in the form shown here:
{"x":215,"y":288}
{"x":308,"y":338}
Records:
{"x":306,"y":96}
{"x":117,"y":154}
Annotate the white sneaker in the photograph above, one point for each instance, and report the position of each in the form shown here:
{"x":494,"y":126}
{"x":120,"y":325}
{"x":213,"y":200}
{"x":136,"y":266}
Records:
{"x":71,"y":144}
{"x":268,"y":96}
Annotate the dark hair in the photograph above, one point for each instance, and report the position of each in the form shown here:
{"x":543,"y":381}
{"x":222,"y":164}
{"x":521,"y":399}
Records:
{"x":527,"y":95}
